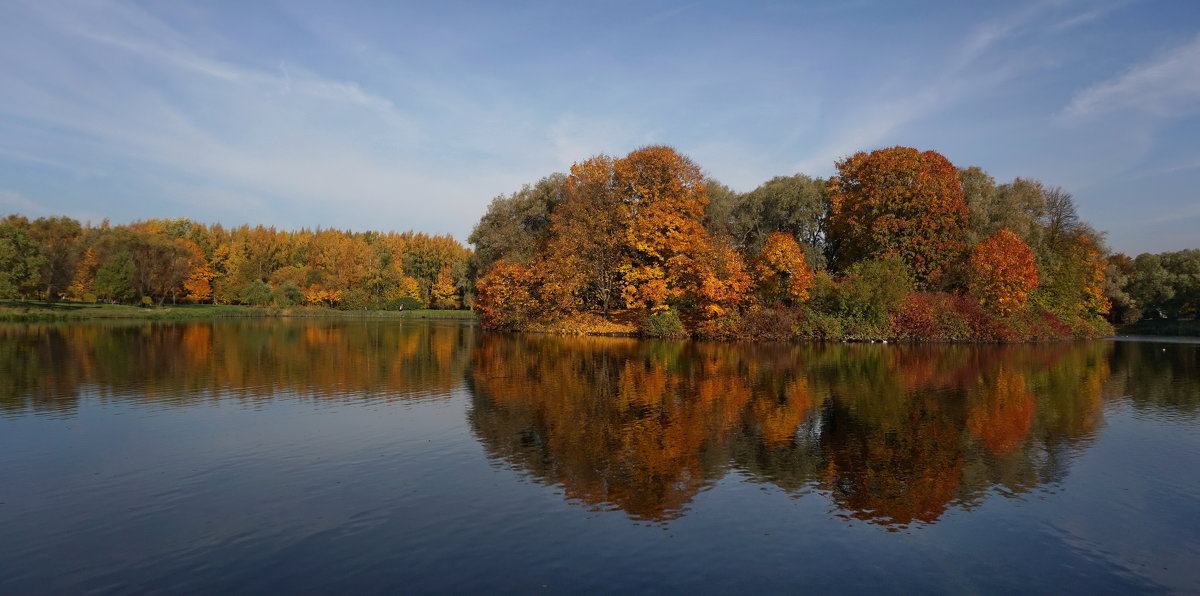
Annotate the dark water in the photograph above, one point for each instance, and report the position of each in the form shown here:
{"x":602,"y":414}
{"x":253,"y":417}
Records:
{"x":392,"y":457}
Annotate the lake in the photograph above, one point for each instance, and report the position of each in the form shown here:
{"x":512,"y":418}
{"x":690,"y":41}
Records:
{"x":433,"y":457}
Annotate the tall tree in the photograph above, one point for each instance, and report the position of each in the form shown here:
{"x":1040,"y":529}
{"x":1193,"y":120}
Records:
{"x":58,"y":242}
{"x":515,"y":226}
{"x":899,"y":201}
{"x":665,"y":194}
{"x":587,"y":245}
{"x":797,"y":205}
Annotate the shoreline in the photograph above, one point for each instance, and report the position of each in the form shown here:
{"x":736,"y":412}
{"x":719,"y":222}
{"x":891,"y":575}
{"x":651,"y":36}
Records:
{"x":42,"y":312}
{"x":16,"y":311}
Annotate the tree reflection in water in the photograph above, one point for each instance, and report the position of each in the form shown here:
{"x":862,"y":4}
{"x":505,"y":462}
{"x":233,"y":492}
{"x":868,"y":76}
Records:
{"x":894,"y":435}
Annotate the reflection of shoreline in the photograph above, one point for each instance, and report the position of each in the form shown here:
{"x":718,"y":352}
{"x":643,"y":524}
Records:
{"x":51,"y":366}
{"x":893,"y":434}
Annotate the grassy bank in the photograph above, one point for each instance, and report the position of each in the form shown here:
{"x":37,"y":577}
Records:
{"x":34,"y":310}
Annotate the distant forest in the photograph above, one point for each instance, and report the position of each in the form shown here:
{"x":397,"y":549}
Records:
{"x":900,"y":243}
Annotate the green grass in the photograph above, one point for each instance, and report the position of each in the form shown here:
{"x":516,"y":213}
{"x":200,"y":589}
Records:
{"x":37,"y":310}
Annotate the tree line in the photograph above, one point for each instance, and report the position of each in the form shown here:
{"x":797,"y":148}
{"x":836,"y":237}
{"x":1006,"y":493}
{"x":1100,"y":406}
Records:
{"x":179,"y":260}
{"x":900,"y":243}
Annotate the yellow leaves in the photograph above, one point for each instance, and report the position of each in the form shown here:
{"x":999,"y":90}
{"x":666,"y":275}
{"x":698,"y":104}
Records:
{"x":318,"y":294}
{"x":443,"y":293}
{"x":406,"y":287}
{"x":782,"y":272}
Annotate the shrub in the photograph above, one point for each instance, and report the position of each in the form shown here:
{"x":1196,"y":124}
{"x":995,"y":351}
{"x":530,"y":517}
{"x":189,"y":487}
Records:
{"x":663,"y":323}
{"x":815,"y":324}
{"x":358,"y":299}
{"x":287,"y":294}
{"x":256,"y":293}
{"x":868,"y":294}
{"x":948,"y":317}
{"x":405,"y":303}
{"x":779,"y":323}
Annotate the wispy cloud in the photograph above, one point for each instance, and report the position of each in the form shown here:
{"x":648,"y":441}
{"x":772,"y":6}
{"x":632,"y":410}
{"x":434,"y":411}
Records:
{"x":873,"y":121}
{"x":1166,"y":86}
{"x":1092,"y":14}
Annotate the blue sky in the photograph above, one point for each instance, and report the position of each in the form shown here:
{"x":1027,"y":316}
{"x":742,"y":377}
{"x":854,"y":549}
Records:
{"x":396,"y":116}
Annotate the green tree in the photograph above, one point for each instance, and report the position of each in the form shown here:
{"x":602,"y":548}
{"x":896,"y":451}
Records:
{"x":718,"y":215}
{"x":256,"y":293}
{"x":796,"y":205}
{"x":21,"y":263}
{"x":114,"y":277}
{"x":516,"y":226}
{"x":58,"y":240}
{"x":287,"y":294}
{"x":1166,"y":284}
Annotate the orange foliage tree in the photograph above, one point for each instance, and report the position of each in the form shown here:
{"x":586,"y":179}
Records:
{"x":628,"y":232}
{"x":506,"y":295}
{"x":665,"y":195}
{"x":1001,"y":272}
{"x":198,"y":284}
{"x":587,"y":245}
{"x":899,"y":201}
{"x":781,"y":269}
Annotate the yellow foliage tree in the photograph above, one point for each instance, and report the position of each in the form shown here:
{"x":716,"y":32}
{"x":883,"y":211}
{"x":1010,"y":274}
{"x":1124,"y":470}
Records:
{"x":443,"y":292}
{"x":782,"y":272}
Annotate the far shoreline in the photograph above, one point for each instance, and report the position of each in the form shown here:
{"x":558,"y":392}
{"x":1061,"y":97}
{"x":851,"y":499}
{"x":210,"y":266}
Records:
{"x":36,"y":311}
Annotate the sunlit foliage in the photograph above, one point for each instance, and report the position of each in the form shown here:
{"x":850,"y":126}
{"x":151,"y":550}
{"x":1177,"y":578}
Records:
{"x":899,"y":201}
{"x":176,"y":260}
{"x":1001,"y":272}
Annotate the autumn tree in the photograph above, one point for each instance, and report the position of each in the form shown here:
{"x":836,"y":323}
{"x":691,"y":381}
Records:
{"x":781,"y":270}
{"x":82,"y":284}
{"x":587,"y":246}
{"x":444,"y":294}
{"x":1001,"y":272}
{"x":898,"y":201}
{"x":723,"y":282}
{"x":665,"y":194}
{"x":507,"y":296}
{"x":197,"y":286}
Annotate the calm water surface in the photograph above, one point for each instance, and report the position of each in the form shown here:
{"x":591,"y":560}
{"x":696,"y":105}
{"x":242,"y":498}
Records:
{"x":312,"y":456}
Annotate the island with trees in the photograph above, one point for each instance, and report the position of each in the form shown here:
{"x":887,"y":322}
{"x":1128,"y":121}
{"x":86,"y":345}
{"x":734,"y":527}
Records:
{"x":898,"y":245}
